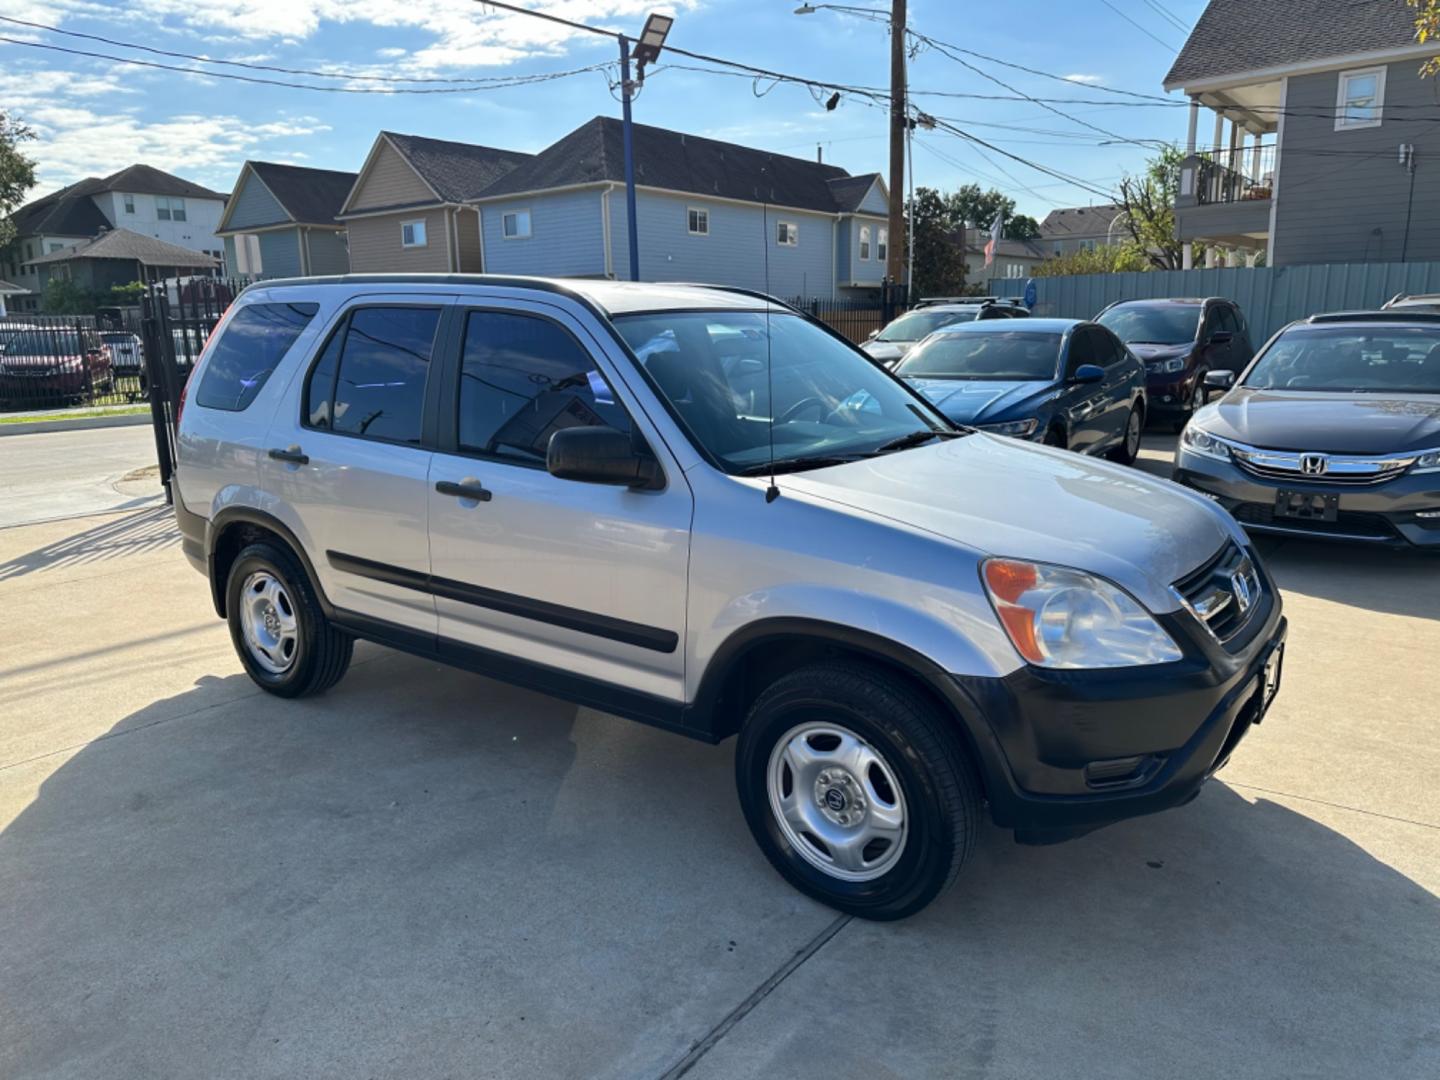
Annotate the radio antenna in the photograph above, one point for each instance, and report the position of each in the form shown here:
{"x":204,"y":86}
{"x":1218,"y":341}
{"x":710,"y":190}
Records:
{"x":772,"y":492}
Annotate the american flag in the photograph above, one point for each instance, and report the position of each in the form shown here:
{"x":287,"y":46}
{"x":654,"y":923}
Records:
{"x":997,"y":227}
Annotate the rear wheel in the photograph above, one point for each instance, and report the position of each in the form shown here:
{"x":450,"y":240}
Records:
{"x":857,"y":789}
{"x":280,"y":633}
{"x":1129,"y":448}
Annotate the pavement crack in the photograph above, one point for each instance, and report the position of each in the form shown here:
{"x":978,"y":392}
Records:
{"x":1335,"y":805}
{"x":759,"y":994}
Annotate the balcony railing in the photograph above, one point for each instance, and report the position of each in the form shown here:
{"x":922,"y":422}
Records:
{"x":1239,"y":175}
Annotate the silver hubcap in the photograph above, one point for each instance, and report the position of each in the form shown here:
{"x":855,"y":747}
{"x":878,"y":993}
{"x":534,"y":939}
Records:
{"x":1132,"y":434}
{"x":267,"y":619}
{"x":1197,"y":397}
{"x":837,"y":801}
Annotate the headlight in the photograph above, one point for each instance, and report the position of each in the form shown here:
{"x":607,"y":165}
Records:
{"x":1018,"y":428}
{"x":1428,"y":462}
{"x":1199,"y":441}
{"x":1166,"y":367}
{"x":1062,"y":618}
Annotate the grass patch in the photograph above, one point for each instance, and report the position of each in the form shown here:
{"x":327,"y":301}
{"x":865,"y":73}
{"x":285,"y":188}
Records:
{"x":119,"y":410}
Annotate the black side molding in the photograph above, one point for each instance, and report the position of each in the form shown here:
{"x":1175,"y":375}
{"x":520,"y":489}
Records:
{"x":585,"y":622}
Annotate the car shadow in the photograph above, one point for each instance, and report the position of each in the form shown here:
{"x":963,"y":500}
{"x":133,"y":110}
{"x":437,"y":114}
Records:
{"x":426,"y":866}
{"x":136,"y":533}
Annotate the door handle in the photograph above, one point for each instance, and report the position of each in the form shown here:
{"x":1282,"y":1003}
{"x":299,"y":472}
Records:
{"x":467,"y":489}
{"x":292,"y":454}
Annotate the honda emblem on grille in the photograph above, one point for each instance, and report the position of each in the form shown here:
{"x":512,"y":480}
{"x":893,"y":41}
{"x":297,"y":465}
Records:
{"x":1313,"y":464}
{"x":1241,"y":588}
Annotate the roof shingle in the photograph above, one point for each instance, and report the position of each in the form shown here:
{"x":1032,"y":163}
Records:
{"x":132,"y":247}
{"x":309,"y":196}
{"x":1079,"y":221}
{"x":457,"y":171}
{"x":1232,"y":37}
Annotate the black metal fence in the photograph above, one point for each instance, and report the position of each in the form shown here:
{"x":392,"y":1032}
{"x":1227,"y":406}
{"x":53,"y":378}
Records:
{"x":857,"y":320}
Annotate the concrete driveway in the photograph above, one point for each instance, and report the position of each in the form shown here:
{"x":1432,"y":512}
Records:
{"x":428,"y":874}
{"x":58,"y":474}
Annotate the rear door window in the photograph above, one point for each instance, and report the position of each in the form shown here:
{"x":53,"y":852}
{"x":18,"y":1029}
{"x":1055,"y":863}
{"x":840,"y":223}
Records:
{"x":252,"y":345}
{"x":370,"y":378}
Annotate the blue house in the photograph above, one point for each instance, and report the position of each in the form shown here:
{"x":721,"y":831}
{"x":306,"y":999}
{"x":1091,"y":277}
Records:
{"x":707,"y":211}
{"x":280,"y":221}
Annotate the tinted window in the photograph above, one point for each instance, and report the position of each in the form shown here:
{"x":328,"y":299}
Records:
{"x":253,"y":343}
{"x":1107,"y":348}
{"x":43,"y":343}
{"x":1348,"y":358}
{"x":524,"y":378}
{"x":1152,"y":324}
{"x":377,"y":366}
{"x":1084,"y":349}
{"x":1003,"y":354}
{"x":1228,"y":321}
{"x":916,"y":324}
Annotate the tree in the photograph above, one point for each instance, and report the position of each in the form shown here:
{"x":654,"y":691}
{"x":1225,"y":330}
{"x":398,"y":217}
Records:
{"x":1021,"y":227}
{"x":1148,"y":208}
{"x":1105,"y":259}
{"x":17,"y":173}
{"x":976,"y":207}
{"x":1427,"y":28}
{"x":939,"y":262}
{"x":64,"y":297}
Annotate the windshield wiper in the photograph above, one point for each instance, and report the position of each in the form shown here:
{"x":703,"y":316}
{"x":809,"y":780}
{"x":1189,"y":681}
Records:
{"x":794,"y":464}
{"x":915,"y":438}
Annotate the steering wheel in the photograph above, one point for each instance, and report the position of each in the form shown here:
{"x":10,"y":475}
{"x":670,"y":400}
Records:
{"x":1299,"y":380}
{"x":800,"y":406}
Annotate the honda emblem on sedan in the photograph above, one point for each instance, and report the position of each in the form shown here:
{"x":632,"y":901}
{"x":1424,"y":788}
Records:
{"x":1313,"y":464}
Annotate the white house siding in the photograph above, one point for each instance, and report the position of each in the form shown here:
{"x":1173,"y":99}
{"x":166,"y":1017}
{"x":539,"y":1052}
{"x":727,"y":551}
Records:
{"x":734,"y":252}
{"x":196,"y":232}
{"x":567,"y":235}
{"x":375,"y":246}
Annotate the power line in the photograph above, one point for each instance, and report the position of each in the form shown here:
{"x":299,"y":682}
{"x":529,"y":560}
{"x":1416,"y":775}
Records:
{"x":1043,"y":74}
{"x":1168,"y":15}
{"x":1137,"y":26}
{"x":476,"y":86}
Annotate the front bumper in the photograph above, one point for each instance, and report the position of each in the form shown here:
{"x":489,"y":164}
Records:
{"x":1170,"y":393}
{"x":1075,"y":750}
{"x":1384,"y":514}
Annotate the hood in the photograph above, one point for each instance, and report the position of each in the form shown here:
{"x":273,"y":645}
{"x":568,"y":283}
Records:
{"x":887,"y":352}
{"x":1000,"y":496}
{"x":1335,"y":423}
{"x":982,"y":401}
{"x":1160,"y":352}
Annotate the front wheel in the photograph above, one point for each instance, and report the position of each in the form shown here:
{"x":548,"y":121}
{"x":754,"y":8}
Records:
{"x":857,"y":789}
{"x":281,"y":635}
{"x":1129,"y":448}
{"x":1195,"y":403}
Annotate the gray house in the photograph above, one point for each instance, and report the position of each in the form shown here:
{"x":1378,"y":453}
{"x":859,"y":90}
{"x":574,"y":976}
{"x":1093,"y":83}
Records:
{"x":1082,"y":228}
{"x":1325,"y":142}
{"x":706,"y":211}
{"x":280,"y":221}
{"x":119,"y":257}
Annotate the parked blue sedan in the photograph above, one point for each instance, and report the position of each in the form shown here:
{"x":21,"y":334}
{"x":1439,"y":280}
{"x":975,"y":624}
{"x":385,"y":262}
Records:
{"x":1058,"y":381}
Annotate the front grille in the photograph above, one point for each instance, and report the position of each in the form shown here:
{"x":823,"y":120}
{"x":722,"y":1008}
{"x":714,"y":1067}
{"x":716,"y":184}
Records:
{"x":1319,"y":468}
{"x":1347,"y":524}
{"x":1223,"y":593}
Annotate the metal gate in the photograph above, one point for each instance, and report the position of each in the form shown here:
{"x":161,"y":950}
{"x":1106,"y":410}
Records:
{"x":176,"y":322}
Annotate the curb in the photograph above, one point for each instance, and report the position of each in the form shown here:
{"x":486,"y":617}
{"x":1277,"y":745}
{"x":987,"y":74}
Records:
{"x":75,"y":423}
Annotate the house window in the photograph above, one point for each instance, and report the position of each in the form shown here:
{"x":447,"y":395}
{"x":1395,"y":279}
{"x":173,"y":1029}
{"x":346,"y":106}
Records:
{"x":516,"y":225}
{"x":1361,"y":98}
{"x":698,"y":221}
{"x":29,"y":251}
{"x":412,"y":233}
{"x":787,"y":233}
{"x":1086,"y":245}
{"x":130,"y":204}
{"x":1014,"y":270}
{"x":882,"y":244}
{"x":864,"y":242}
{"x":53,"y":247}
{"x":167,"y":209}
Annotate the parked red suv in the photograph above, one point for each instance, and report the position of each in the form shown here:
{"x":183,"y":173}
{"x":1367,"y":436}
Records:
{"x":44,"y":366}
{"x":1179,"y":341}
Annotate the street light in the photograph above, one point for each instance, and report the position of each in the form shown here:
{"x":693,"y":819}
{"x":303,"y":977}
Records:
{"x":652,"y":39}
{"x":647,"y":51}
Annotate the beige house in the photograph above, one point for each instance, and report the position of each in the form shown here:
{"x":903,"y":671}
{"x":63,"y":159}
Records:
{"x":407,"y":212}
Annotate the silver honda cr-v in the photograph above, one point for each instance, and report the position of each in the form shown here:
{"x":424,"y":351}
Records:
{"x":698,"y":508}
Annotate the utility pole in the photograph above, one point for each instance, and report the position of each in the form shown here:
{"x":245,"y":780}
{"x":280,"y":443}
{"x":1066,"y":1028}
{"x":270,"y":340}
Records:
{"x":632,"y":225}
{"x":894,"y":252}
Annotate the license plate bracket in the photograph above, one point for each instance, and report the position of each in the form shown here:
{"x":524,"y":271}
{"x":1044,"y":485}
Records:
{"x":1307,"y":505}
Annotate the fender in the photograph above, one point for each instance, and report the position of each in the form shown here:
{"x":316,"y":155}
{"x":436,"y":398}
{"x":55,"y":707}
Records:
{"x":235,"y":515}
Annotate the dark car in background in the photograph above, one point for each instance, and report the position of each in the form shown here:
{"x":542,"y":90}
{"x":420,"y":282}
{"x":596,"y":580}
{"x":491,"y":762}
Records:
{"x":1180,"y":341}
{"x":49,"y":366}
{"x":901,"y":335}
{"x":1056,"y":381}
{"x":1333,"y":431}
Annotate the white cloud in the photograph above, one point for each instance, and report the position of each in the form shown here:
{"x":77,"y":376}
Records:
{"x":1091,"y":79}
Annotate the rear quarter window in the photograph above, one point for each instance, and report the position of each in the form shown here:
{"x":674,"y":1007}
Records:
{"x":251,"y":346}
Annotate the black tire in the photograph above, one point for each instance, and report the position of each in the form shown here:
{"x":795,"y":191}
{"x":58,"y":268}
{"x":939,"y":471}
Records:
{"x":917,"y":742}
{"x":321,"y":653}
{"x":1122,"y":454}
{"x":1190,"y":407}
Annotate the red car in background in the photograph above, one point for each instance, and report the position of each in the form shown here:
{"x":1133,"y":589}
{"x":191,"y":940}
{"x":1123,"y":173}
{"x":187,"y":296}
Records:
{"x":46,"y":365}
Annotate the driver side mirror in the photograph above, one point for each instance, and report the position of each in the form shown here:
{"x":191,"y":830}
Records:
{"x":1219,"y":380}
{"x":601,"y":455}
{"x":1088,"y":373}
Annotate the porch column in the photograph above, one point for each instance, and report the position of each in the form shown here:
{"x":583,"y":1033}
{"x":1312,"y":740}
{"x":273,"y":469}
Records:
{"x":1219,"y":131}
{"x":1187,"y":256}
{"x":1212,"y":257}
{"x":1255,"y":159}
{"x":1194,"y":126}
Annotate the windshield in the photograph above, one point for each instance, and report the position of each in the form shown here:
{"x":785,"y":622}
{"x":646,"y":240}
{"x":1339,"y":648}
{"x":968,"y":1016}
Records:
{"x":41,"y":343}
{"x":1013,"y":355}
{"x":1153,"y":324}
{"x":1390,"y":359}
{"x":918,"y":324}
{"x":832,"y":403}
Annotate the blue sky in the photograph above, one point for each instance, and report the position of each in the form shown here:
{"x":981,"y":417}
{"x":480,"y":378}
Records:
{"x":95,"y":116}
